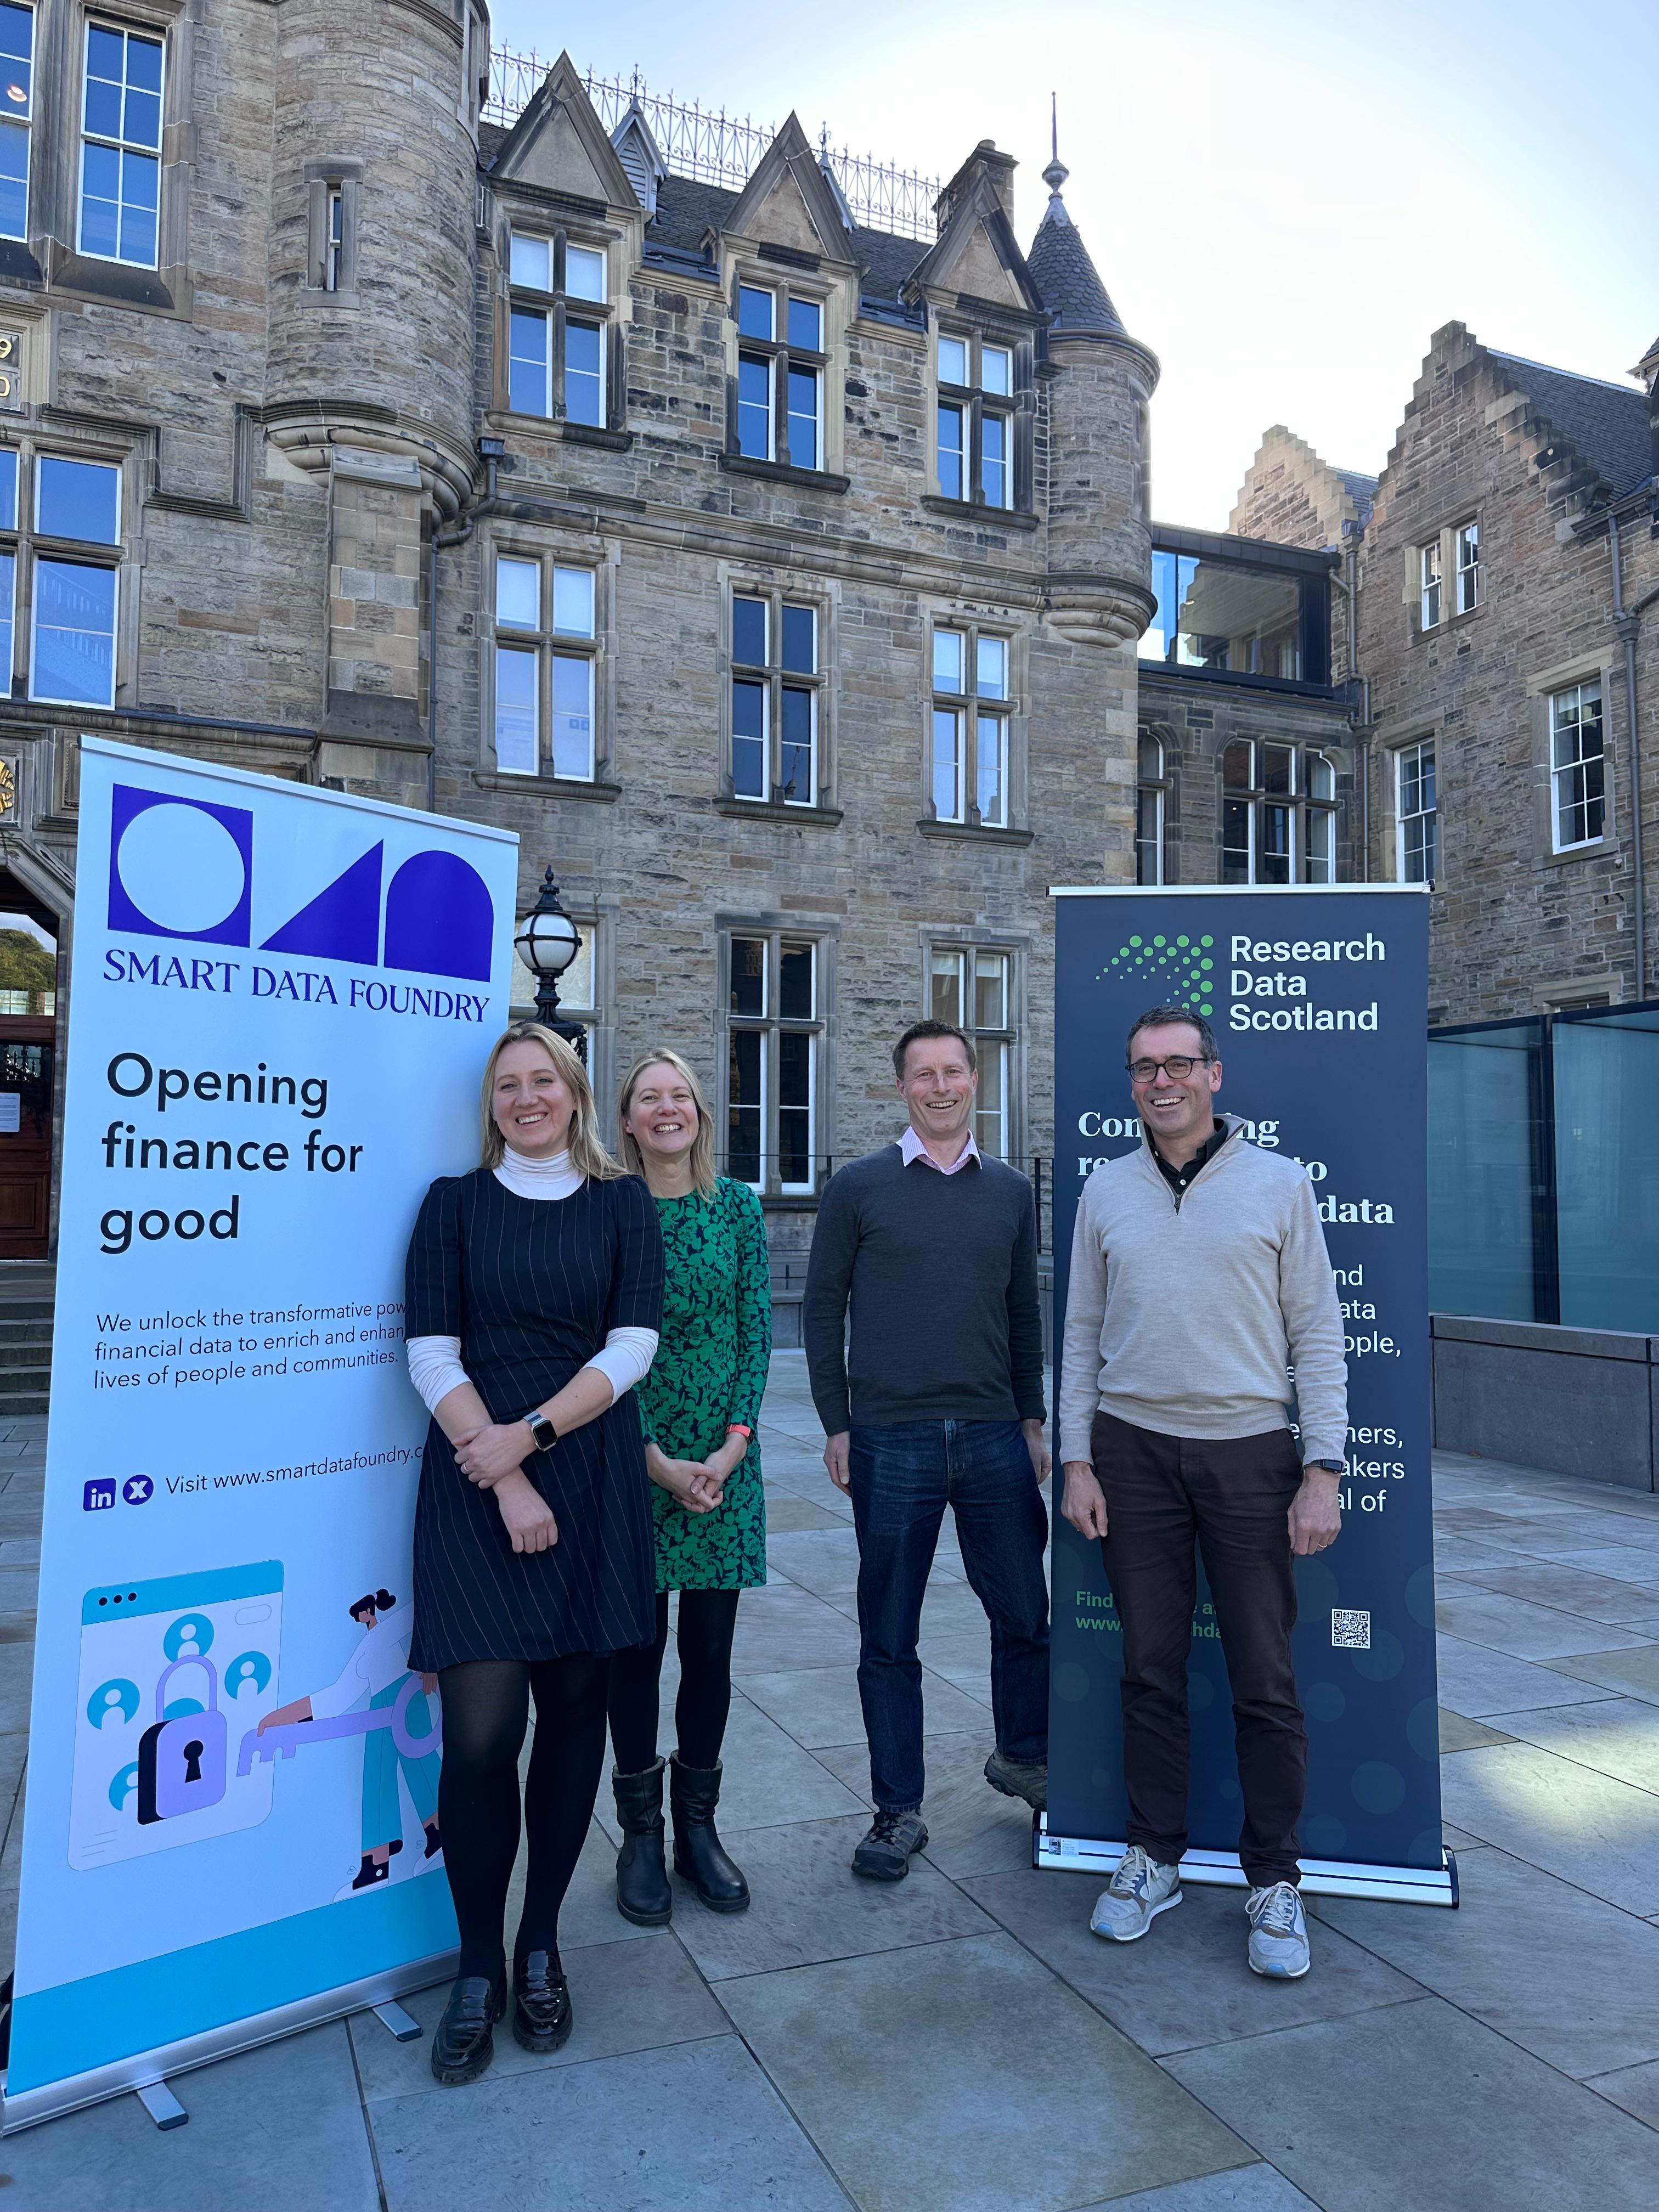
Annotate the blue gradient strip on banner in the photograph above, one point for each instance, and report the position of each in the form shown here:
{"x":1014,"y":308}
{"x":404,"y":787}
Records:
{"x":168,"y":1593}
{"x":81,"y":2026}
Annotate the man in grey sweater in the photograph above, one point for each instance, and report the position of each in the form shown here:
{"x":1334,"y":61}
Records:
{"x":1199,"y":1276}
{"x":940,"y":1402}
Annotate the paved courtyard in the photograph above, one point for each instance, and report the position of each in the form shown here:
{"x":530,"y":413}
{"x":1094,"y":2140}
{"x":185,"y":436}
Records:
{"x":961,"y":2043}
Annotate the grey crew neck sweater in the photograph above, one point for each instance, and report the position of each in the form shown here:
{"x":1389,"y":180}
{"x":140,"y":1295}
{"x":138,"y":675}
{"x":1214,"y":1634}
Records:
{"x":1183,"y":1315}
{"x":941,"y":1275}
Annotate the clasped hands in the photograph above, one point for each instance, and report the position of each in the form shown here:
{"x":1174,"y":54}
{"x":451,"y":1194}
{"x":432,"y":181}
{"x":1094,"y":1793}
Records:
{"x":493,"y":1456}
{"x":698,"y":1484}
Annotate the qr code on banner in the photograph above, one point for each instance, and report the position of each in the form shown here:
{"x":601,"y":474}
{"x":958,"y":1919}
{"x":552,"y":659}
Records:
{"x":1351,"y":1631}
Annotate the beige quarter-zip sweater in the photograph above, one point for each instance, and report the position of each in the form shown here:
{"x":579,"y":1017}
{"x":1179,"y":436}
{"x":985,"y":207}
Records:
{"x":1183,"y":1313}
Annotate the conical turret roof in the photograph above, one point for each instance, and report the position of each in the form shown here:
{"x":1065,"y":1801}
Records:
{"x":1065,"y":275}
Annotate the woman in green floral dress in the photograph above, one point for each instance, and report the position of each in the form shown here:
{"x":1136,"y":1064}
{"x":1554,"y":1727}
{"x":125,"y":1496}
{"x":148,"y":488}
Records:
{"x":699,"y":1408}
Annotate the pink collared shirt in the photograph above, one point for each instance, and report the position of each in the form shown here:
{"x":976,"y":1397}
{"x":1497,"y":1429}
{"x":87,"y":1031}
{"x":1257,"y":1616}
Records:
{"x":912,"y":1148}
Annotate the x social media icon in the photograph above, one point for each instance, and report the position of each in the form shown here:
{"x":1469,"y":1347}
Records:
{"x":138,"y":1489}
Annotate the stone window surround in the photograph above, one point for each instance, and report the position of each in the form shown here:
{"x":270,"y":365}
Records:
{"x":515,"y":542}
{"x":55,"y":179}
{"x":823,"y":932}
{"x":1162,"y":787}
{"x":1018,"y":409}
{"x":1540,"y":689}
{"x":1446,"y":538}
{"x":1015,"y":717}
{"x":549,"y":216}
{"x":124,"y":558}
{"x":322,"y":180}
{"x":781,"y":273}
{"x":1016,"y":945}
{"x":823,"y":594}
{"x":1389,"y":751}
{"x":1300,"y":801}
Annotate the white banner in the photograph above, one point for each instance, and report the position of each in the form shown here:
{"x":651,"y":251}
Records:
{"x":280,"y":1006}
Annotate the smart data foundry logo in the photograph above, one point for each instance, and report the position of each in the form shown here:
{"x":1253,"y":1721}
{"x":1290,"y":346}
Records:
{"x":183,"y":868}
{"x":1180,"y":969}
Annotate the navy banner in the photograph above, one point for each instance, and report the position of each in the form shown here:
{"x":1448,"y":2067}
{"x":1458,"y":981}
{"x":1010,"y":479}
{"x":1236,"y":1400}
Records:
{"x":1316,"y":996}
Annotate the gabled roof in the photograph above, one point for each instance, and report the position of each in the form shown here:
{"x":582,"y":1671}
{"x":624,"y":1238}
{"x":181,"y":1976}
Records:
{"x":558,"y":143}
{"x":1362,"y":491}
{"x":976,"y":207}
{"x":1606,"y":424}
{"x":788,"y":158}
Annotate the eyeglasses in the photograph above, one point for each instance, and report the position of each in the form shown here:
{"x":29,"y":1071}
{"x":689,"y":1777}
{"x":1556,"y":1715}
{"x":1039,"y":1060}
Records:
{"x":1178,"y":1066}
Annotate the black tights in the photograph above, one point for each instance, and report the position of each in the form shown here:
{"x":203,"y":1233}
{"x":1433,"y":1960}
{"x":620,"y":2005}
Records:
{"x":486,"y":1704}
{"x":707,"y":1619}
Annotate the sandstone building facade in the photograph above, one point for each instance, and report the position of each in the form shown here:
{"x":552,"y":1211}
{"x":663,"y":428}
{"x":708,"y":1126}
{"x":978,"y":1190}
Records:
{"x":780,"y":577}
{"x":1505,"y":590}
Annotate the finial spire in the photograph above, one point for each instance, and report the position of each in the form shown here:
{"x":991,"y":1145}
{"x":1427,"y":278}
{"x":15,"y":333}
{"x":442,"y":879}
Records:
{"x":1056,"y":173}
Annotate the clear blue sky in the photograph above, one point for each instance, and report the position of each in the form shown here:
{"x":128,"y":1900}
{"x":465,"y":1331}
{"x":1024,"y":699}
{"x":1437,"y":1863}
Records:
{"x":1285,"y":198}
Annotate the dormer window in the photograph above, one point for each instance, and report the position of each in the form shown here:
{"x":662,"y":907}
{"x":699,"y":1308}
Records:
{"x":782,"y":359}
{"x":974,"y":439}
{"x":557,"y":352}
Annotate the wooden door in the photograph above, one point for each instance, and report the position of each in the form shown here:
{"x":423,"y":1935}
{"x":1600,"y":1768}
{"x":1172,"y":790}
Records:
{"x":26,"y":1072}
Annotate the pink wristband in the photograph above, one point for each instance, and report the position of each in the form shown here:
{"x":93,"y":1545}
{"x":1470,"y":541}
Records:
{"x":740,"y":1428}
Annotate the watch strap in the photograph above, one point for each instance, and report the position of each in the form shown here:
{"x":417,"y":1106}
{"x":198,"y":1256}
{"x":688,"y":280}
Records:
{"x":543,"y":1433}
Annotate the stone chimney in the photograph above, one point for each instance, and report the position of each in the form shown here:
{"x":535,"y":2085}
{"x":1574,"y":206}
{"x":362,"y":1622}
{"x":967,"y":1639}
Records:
{"x":998,"y":169}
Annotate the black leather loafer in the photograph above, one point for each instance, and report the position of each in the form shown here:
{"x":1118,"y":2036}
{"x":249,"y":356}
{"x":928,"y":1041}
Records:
{"x":542,"y":2014}
{"x":463,"y":2041}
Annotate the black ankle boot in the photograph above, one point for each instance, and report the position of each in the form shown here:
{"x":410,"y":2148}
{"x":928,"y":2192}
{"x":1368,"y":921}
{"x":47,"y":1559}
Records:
{"x":699,"y":1859}
{"x":642,"y":1892}
{"x":542,"y":2014}
{"x":463,"y":2041}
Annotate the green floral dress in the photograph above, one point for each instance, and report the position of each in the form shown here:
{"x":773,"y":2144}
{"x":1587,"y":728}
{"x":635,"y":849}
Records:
{"x":710,"y":1371}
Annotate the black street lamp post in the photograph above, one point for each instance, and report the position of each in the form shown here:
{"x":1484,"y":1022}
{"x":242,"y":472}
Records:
{"x":547,"y":943}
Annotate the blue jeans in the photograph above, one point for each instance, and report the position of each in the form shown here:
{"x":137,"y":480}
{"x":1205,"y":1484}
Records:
{"x":902,"y":1477}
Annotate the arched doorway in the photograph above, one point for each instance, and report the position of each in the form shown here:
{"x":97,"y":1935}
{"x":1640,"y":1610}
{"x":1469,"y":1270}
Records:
{"x":29,"y":1008}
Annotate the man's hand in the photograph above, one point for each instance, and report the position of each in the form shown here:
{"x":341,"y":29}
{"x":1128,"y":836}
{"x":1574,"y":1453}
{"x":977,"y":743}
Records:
{"x":1085,"y":1503}
{"x":837,"y":1459}
{"x":1315,"y":1514}
{"x":1037,"y":1443}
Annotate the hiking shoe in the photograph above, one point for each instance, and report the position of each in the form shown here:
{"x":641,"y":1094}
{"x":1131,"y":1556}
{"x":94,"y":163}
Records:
{"x":1019,"y":1777}
{"x":1279,"y":1933}
{"x":884,"y":1854}
{"x":1140,"y":1890}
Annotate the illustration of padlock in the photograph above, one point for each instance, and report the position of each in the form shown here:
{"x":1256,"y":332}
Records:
{"x":182,"y":1762}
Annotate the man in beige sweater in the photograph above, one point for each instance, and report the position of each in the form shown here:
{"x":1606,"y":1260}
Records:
{"x":1199,"y":1276}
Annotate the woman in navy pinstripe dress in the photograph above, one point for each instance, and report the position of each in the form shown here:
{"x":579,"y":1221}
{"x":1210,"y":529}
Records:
{"x":534,"y":1294}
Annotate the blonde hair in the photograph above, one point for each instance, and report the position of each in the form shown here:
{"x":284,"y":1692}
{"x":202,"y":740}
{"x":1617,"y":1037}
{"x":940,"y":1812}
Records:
{"x":587,"y":1155}
{"x":703,"y":1173}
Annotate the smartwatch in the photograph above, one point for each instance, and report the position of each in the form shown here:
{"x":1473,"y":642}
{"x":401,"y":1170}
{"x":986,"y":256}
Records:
{"x":1330,"y":1466}
{"x":543,"y":1433}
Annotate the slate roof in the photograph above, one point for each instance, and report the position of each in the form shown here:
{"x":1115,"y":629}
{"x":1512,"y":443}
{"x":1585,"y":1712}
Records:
{"x":1605,"y":423}
{"x":1362,"y":491}
{"x":1068,"y":279}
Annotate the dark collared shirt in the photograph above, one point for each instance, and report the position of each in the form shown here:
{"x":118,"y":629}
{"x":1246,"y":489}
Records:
{"x":1178,"y":1178}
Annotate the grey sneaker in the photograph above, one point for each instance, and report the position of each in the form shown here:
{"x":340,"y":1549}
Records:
{"x":885,"y":1853}
{"x":1279,"y":1933}
{"x":1140,"y":1890}
{"x":1019,"y":1777}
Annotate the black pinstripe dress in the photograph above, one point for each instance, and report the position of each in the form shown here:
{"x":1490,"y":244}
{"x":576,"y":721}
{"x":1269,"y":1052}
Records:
{"x":532,"y":1286}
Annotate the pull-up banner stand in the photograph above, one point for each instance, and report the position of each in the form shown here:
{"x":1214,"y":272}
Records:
{"x":1317,"y":998}
{"x":280,"y":1006}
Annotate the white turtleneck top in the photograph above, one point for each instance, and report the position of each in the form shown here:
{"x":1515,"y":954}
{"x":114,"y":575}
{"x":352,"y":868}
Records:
{"x":434,"y":1361}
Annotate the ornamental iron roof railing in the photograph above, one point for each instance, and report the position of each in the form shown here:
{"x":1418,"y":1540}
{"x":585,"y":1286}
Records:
{"x":717,"y":148}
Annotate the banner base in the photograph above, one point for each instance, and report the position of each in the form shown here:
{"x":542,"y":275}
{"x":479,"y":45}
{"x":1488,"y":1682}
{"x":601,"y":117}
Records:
{"x":1320,"y":1877}
{"x":146,"y":2068}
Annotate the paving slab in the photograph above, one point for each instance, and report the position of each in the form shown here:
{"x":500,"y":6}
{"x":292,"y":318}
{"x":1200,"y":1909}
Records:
{"x":696,"y":2128}
{"x":1588,"y":2010}
{"x":1636,"y":1671}
{"x":1615,"y":1735}
{"x":786,"y":1515}
{"x":1585,"y":1827}
{"x":819,"y":1705}
{"x":808,"y":1904}
{"x":965,"y":2077}
{"x":971,"y":1828}
{"x":1568,"y":1588}
{"x":785,"y":1626}
{"x":822,"y":1560}
{"x":1457,"y":1734}
{"x":1485,"y":1684}
{"x":626,"y":1996}
{"x":1419,"y":2107}
{"x":1260,"y":2188}
{"x":276,"y":2129}
{"x":1636,"y":2088}
{"x":1525,"y":1632}
{"x":1186,"y":1984}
